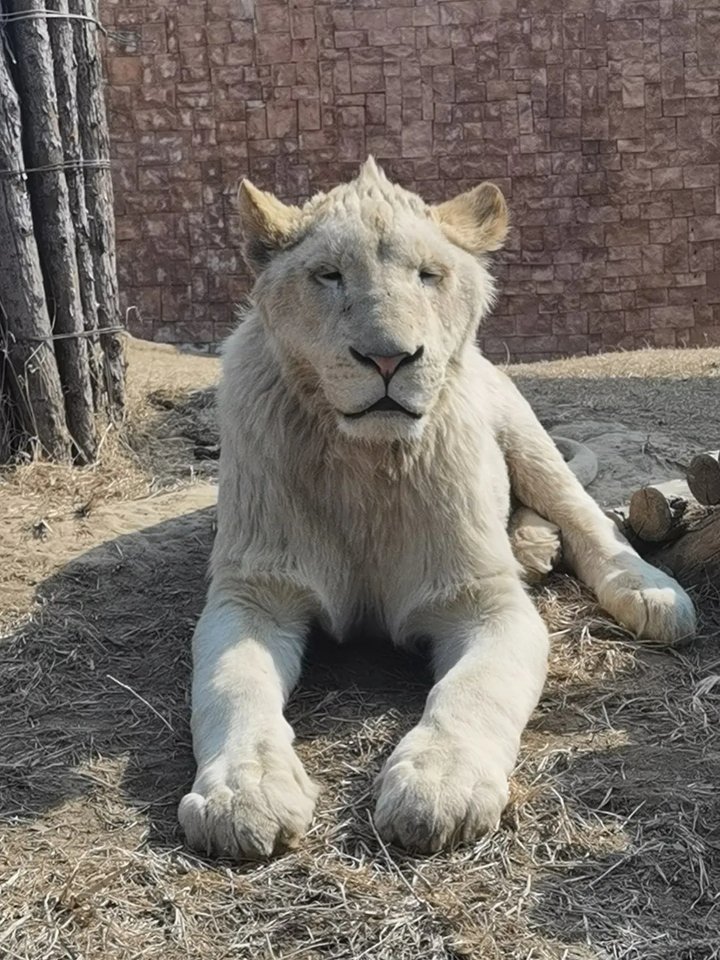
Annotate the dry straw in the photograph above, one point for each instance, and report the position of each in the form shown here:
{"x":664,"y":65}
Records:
{"x":610,"y":847}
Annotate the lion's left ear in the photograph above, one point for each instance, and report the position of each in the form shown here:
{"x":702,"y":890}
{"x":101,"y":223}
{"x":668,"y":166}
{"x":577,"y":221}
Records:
{"x":476,"y":220}
{"x":268,"y":224}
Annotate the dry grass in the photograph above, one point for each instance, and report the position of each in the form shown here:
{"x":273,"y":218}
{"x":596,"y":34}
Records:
{"x":166,"y":398}
{"x":610,"y":846}
{"x":169,"y":410}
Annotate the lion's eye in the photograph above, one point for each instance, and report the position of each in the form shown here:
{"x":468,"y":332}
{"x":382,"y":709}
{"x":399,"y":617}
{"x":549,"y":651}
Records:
{"x":429,"y":277}
{"x":329,"y":278}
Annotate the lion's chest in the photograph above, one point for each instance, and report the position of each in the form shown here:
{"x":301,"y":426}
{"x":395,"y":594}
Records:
{"x":376,"y":547}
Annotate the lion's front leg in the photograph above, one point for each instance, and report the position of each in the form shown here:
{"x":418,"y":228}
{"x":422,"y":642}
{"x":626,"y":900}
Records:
{"x":638,"y":595}
{"x":447,"y":780}
{"x":251,"y":796}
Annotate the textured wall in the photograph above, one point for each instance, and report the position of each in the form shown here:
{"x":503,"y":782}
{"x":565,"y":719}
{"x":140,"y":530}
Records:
{"x":599,"y":119}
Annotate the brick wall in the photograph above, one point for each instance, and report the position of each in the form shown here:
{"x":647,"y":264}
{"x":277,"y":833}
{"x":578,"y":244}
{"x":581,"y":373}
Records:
{"x":599,"y":119}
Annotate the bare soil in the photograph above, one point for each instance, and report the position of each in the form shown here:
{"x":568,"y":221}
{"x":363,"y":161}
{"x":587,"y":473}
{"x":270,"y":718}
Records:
{"x":610,"y":847}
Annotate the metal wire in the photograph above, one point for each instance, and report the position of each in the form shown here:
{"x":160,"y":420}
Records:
{"x":63,"y":165}
{"x":79,"y":333}
{"x":47,"y":15}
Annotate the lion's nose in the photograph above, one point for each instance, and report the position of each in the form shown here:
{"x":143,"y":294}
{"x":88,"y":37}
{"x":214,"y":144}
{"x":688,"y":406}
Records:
{"x":386,"y":365}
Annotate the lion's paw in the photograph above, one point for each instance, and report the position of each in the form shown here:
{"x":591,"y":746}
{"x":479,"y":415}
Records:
{"x":258,"y":808}
{"x":648,"y":602}
{"x":436,"y":791}
{"x":536,"y":543}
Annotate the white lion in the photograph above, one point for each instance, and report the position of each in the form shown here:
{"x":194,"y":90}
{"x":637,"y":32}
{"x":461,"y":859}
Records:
{"x":368,"y":451}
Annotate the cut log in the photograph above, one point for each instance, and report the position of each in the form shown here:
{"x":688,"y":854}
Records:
{"x":95,"y":140}
{"x":695,"y":557}
{"x":51,"y":216}
{"x":664,"y":511}
{"x":33,"y":381}
{"x":703,"y":477}
{"x":65,"y":67}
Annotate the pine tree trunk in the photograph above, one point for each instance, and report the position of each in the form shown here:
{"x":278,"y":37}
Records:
{"x":95,"y":141}
{"x":65,"y":66}
{"x":51,"y":215}
{"x":6,"y":424}
{"x":33,"y":381}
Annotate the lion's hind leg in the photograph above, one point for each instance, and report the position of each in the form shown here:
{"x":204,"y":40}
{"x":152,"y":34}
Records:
{"x":536,"y":543}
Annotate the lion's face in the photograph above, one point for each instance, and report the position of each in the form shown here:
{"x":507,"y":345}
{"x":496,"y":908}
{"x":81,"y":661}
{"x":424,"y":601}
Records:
{"x":371,"y":296}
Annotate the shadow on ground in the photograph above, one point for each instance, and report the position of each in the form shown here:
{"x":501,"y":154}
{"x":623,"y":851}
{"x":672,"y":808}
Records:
{"x":102,"y":669}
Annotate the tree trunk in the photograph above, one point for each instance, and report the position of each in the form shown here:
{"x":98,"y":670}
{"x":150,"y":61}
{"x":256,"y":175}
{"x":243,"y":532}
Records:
{"x":51,"y":215}
{"x":34,"y":381}
{"x":95,"y":141}
{"x":6,"y":424}
{"x":65,"y":66}
{"x":704,"y":477}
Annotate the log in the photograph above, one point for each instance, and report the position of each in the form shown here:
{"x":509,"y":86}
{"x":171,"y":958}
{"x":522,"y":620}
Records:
{"x":65,"y":68}
{"x":663,"y":512}
{"x":703,"y":477}
{"x":95,"y":141}
{"x":51,"y":216}
{"x":25,"y":331}
{"x":695,"y":557}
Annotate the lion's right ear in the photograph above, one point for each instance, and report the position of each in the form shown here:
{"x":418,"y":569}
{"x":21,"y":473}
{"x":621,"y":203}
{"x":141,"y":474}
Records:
{"x":268,"y":224}
{"x":476,"y":220}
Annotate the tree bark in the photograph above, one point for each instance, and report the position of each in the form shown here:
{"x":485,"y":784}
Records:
{"x":6,"y":424}
{"x":25,"y":331}
{"x":65,"y":67}
{"x":51,"y":215}
{"x":704,"y":477}
{"x":95,"y":141}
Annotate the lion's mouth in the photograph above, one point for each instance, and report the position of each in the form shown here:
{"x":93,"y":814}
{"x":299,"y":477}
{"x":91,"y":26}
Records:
{"x":384,"y":405}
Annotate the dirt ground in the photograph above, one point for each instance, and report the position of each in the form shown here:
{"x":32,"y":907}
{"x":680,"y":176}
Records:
{"x":610,"y":847}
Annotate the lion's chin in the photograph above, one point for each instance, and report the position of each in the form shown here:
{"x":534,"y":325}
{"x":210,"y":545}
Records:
{"x":382,"y":427}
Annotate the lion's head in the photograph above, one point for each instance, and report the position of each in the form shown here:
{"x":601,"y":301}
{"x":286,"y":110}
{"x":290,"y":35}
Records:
{"x":370,"y":295}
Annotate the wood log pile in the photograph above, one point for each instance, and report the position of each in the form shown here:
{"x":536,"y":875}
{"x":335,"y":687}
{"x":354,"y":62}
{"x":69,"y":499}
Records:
{"x":61,"y":358}
{"x":676,"y":524}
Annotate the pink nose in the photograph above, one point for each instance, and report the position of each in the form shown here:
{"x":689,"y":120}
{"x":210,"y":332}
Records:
{"x":387,"y":365}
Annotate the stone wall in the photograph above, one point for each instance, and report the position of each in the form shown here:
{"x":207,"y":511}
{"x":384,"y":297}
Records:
{"x":599,"y":119}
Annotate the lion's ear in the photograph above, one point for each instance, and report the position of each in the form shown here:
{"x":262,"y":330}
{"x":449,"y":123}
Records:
{"x":268,"y":224}
{"x":476,"y":220}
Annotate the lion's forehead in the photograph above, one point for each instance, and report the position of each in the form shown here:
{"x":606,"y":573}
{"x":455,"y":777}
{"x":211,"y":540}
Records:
{"x":370,"y":246}
{"x":366,"y":191}
{"x":374,"y":235}
{"x":376,"y":205}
